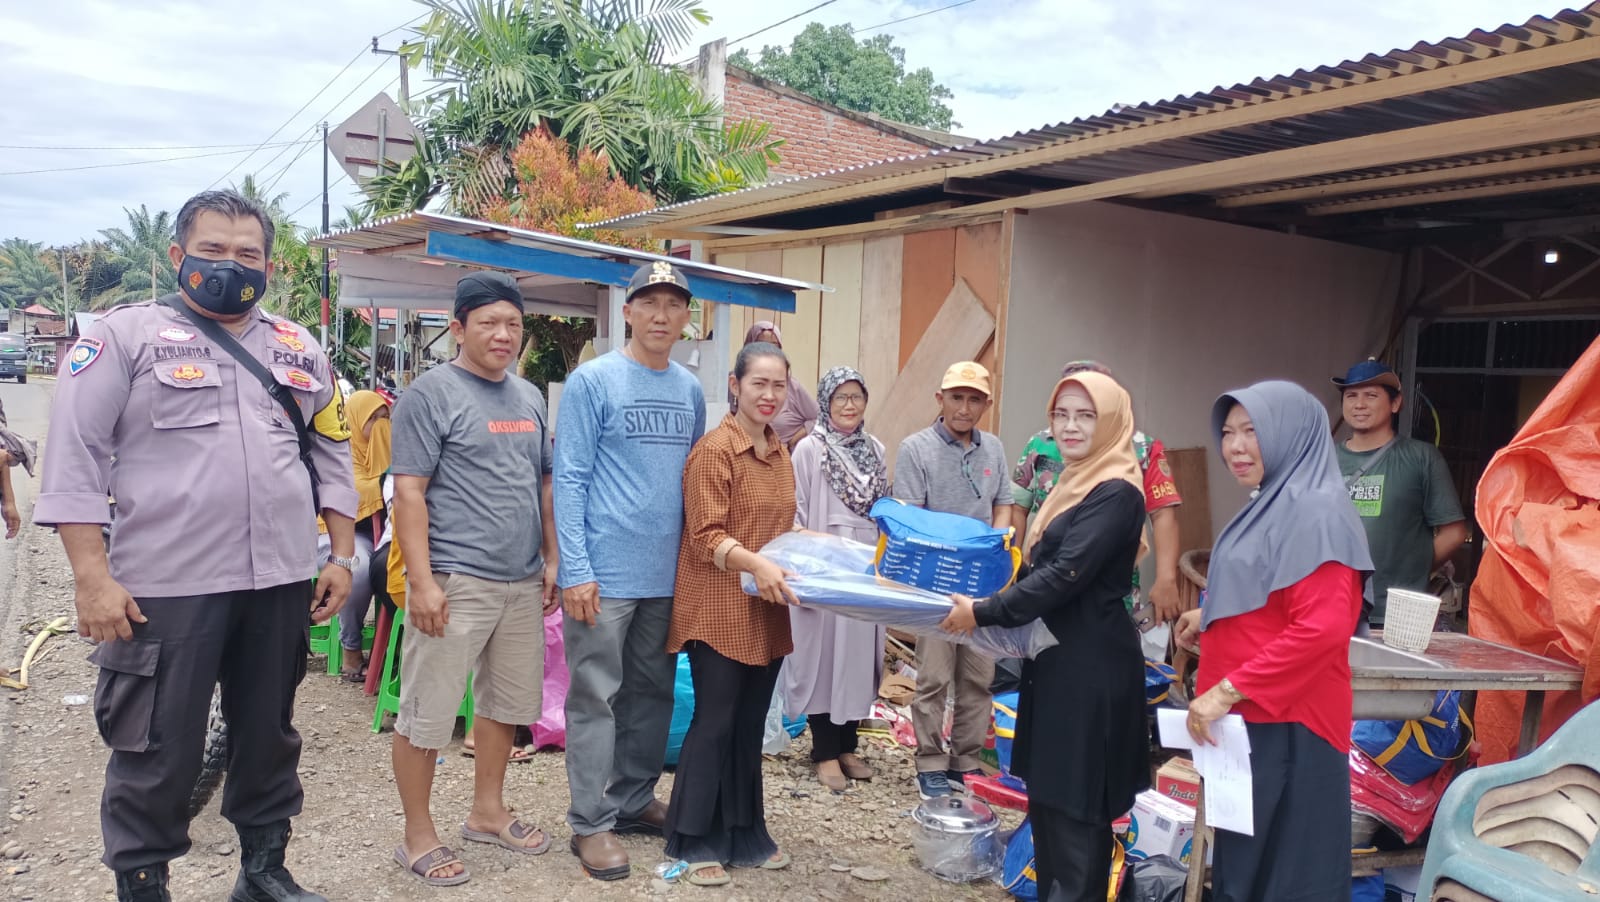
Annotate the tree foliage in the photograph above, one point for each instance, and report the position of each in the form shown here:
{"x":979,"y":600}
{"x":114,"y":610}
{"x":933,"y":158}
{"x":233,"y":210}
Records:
{"x":25,"y":277}
{"x":555,"y":193}
{"x":590,"y":71}
{"x":141,"y":251}
{"x":866,"y":75}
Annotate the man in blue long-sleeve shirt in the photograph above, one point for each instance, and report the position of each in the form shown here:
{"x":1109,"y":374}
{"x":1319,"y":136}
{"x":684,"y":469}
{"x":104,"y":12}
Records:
{"x":627,"y":421}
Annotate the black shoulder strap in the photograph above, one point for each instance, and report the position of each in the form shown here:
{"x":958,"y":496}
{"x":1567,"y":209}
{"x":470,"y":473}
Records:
{"x":1355,"y":477}
{"x":279,"y":392}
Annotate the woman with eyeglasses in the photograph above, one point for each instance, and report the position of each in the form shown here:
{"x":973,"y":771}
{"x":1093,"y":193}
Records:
{"x":1080,"y":742}
{"x":831,"y":677}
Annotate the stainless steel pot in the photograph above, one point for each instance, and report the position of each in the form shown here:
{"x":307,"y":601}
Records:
{"x":956,"y":838}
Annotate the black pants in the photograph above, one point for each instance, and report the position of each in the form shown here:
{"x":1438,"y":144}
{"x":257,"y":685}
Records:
{"x":829,"y":740}
{"x":1071,"y":857}
{"x":151,"y":706}
{"x":1301,"y":848}
{"x":717,"y":812}
{"x":378,"y":576}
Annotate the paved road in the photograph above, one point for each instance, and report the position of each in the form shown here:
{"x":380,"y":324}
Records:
{"x":27,"y":411}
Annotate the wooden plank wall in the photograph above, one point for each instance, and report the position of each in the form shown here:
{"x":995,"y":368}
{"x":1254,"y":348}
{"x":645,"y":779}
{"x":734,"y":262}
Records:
{"x":887,"y":292}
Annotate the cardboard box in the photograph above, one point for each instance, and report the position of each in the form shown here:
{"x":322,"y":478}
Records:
{"x":1179,"y":781}
{"x":1159,"y":826}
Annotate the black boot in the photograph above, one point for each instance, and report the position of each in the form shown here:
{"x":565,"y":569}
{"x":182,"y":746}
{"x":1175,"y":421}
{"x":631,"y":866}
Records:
{"x":143,"y":885}
{"x":262,"y":876}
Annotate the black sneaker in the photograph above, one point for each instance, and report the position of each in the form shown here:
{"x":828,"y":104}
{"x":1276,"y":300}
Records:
{"x":933,"y":785}
{"x":958,"y":778}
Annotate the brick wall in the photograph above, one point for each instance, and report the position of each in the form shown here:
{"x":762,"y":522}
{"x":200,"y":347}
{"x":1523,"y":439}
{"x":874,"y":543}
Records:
{"x":818,"y":137}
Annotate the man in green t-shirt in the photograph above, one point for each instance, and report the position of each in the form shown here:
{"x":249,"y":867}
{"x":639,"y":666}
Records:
{"x":1400,"y":487}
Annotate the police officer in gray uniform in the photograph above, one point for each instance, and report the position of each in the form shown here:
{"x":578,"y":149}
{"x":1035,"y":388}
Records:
{"x":212,"y":549}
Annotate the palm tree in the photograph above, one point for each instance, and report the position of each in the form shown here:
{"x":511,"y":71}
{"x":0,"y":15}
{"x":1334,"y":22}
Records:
{"x":592,"y":72}
{"x":142,"y":250}
{"x":24,"y":276}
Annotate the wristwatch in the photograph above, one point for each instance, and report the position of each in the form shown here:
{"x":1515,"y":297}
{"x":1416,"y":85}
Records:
{"x":348,"y":563}
{"x":1226,"y":685}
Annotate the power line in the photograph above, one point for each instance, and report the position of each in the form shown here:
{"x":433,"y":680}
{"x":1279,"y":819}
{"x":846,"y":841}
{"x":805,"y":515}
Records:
{"x":266,"y":190}
{"x":782,"y":22}
{"x":317,"y":123}
{"x":197,"y":156}
{"x":909,"y":18}
{"x":359,"y":54}
{"x":134,"y":146}
{"x":405,"y":25}
{"x":317,"y":197}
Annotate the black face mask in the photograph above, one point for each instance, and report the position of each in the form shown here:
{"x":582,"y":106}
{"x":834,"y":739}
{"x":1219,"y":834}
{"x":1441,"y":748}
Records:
{"x":223,"y":287}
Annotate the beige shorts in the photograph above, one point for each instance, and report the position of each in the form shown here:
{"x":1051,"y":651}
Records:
{"x":495,"y":636}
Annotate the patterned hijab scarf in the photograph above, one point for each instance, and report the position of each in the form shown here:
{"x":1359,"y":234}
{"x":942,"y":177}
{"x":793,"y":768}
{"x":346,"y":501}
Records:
{"x":853,"y":463}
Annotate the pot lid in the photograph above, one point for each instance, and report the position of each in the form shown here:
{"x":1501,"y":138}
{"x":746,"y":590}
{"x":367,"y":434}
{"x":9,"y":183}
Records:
{"x":954,"y":814}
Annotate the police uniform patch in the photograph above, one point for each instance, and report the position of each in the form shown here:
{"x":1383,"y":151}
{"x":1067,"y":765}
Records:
{"x":288,"y":340}
{"x":173,"y":333}
{"x":83,"y":355}
{"x":188,"y":373}
{"x":330,"y":421}
{"x":283,"y":327}
{"x":299,"y":379}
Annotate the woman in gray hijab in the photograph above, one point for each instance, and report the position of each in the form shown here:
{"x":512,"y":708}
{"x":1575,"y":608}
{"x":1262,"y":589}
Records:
{"x":1284,"y":593}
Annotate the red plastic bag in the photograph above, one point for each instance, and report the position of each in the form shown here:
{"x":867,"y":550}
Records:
{"x":1539,"y":579}
{"x":1408,"y":810}
{"x":551,"y":730}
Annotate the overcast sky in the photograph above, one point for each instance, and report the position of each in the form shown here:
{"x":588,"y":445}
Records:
{"x":160,"y":78}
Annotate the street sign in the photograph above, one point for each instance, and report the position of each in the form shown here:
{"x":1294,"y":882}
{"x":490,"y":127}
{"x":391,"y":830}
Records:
{"x":377,"y":131}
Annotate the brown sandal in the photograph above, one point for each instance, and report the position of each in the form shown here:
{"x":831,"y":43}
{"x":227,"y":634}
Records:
{"x":423,"y":865}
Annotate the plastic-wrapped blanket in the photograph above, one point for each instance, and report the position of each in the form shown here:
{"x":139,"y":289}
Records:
{"x":835,"y":574}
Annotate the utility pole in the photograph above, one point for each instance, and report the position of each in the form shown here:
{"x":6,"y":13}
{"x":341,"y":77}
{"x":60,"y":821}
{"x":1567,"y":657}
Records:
{"x":325,"y":311}
{"x":405,"y":74}
{"x":66,"y":298}
{"x":401,"y":317}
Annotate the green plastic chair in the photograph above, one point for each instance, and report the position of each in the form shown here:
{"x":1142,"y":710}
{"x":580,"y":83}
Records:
{"x":1526,"y":830}
{"x":325,"y":641}
{"x":389,"y":684}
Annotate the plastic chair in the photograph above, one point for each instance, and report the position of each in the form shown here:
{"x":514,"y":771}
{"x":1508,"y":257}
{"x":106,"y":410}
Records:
{"x":325,"y":641}
{"x":389,"y":683}
{"x":1524,"y":830}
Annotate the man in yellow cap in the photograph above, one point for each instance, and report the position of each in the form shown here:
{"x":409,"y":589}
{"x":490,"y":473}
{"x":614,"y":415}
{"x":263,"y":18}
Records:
{"x":954,"y":467}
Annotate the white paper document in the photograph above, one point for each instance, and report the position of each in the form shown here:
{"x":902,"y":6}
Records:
{"x":1228,"y":794}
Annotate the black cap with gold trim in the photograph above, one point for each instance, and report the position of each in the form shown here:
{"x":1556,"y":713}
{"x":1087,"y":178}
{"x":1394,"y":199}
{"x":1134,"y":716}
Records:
{"x":659,"y":272}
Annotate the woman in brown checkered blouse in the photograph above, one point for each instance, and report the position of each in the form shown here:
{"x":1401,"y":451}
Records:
{"x":738,"y":495}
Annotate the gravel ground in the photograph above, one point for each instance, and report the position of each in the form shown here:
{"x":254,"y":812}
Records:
{"x":52,"y":761}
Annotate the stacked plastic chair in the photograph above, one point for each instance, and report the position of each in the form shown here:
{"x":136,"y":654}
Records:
{"x":1523,"y":830}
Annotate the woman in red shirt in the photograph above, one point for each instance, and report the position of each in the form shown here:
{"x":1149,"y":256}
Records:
{"x":1284,"y":594}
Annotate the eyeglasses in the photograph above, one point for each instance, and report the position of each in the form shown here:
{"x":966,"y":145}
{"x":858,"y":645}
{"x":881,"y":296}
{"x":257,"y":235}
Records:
{"x":851,"y":400}
{"x":1066,"y":416}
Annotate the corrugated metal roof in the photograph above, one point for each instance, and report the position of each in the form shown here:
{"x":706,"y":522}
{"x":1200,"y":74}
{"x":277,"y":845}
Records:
{"x":1541,"y":86}
{"x":408,"y":234}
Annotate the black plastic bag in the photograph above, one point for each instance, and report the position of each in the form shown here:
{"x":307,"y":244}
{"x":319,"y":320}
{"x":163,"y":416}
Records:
{"x":1158,"y":879}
